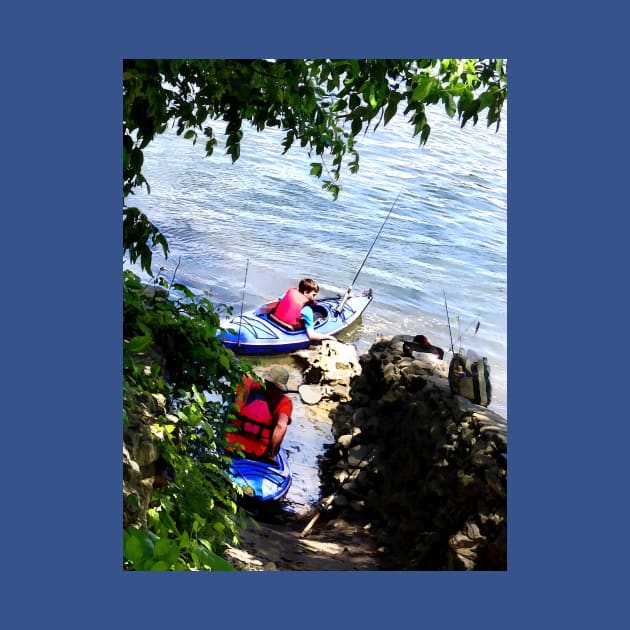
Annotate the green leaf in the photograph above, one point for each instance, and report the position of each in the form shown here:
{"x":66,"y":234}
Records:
{"x":136,"y":159}
{"x":422,"y":90}
{"x":138,"y":546}
{"x":390,"y":111}
{"x":139,"y":343}
{"x":449,"y":103}
{"x":424,"y":136}
{"x":210,"y":559}
{"x":234,"y":151}
{"x":184,"y":541}
{"x":485,"y":100}
{"x":356,"y":126}
{"x":372,"y":97}
{"x":133,"y":550}
{"x":316,"y":169}
{"x":163,"y":547}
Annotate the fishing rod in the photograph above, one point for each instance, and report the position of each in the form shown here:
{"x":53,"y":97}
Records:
{"x":448,"y":320}
{"x":170,"y":286}
{"x":356,"y":275}
{"x":240,"y":319}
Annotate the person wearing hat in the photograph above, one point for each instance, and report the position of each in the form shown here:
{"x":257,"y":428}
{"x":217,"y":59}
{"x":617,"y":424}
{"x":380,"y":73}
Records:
{"x":264,"y":413}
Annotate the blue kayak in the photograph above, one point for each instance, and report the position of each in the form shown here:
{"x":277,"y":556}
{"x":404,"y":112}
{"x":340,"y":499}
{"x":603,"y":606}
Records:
{"x":258,"y":332}
{"x":263,"y":481}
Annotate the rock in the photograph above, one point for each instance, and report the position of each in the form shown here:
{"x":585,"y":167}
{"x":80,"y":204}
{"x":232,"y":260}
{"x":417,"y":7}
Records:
{"x":358,"y":455}
{"x":140,"y":455}
{"x":340,"y":500}
{"x":345,"y":440}
{"x":269,"y":566}
{"x":433,"y":466}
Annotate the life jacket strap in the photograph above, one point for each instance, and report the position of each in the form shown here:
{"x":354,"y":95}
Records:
{"x":254,"y":427}
{"x":280,"y":323}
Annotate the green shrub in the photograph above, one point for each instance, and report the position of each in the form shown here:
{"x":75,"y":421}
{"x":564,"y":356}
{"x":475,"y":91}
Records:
{"x":171,"y":350}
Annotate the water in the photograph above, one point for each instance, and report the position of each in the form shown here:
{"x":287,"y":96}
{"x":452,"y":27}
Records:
{"x":305,"y":440}
{"x":447,"y":232}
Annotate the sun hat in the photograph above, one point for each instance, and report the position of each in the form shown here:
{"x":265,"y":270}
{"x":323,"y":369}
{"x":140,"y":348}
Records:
{"x":277,"y":375}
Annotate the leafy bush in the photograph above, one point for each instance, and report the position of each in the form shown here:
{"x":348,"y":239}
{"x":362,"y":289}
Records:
{"x":170,"y":350}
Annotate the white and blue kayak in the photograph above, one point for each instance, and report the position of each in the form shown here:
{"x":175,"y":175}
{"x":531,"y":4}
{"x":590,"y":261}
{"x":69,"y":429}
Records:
{"x":258,"y":332}
{"x":260,"y":480}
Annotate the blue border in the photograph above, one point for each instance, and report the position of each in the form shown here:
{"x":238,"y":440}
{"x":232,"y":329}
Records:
{"x":62,"y":260}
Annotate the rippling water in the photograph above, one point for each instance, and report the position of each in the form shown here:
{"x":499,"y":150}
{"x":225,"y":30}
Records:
{"x":447,"y":232}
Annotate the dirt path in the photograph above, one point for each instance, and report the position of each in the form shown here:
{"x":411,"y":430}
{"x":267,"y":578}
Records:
{"x":332,"y":545}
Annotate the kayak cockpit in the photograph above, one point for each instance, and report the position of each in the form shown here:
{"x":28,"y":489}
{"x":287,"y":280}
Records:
{"x":320,"y":315}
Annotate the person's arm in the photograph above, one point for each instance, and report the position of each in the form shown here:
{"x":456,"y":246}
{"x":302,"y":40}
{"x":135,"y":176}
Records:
{"x":315,"y":336}
{"x":278,"y":434}
{"x":309,"y":326}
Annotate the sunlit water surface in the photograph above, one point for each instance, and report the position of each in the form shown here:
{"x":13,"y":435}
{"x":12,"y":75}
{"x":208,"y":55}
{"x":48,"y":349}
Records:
{"x":265,"y":215}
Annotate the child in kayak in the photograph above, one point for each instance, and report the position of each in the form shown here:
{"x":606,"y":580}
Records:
{"x":294,"y":309}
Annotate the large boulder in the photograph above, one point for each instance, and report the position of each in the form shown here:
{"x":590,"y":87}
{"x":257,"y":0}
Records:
{"x":426,"y":468}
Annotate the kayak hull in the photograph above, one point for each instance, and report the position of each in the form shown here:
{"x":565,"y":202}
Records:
{"x":262,"y":481}
{"x":255,"y":333}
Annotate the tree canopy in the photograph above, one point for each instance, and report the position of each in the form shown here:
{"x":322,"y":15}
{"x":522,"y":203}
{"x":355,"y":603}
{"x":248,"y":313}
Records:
{"x":320,"y":104}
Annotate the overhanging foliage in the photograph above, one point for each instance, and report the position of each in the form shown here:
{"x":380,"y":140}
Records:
{"x":320,"y":104}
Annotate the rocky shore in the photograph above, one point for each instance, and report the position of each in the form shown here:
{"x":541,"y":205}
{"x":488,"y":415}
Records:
{"x":416,"y":478}
{"x":423,"y":469}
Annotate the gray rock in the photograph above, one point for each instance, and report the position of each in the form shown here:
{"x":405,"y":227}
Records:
{"x":432,"y":465}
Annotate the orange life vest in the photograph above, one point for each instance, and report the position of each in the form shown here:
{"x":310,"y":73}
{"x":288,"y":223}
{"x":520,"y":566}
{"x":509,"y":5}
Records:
{"x":256,"y":417}
{"x":290,"y":307}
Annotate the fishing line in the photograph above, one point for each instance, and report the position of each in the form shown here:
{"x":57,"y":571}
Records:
{"x":170,"y":286}
{"x":374,"y":241}
{"x":240,"y":320}
{"x":448,"y":320}
{"x":349,"y":289}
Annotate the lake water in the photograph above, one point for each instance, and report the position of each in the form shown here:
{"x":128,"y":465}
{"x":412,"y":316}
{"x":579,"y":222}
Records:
{"x":447,"y":232}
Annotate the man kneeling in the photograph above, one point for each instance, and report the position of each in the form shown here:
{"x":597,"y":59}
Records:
{"x":264,"y":413}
